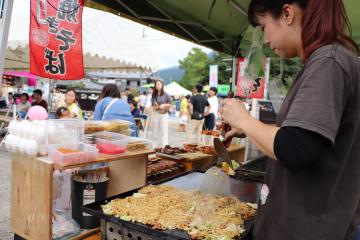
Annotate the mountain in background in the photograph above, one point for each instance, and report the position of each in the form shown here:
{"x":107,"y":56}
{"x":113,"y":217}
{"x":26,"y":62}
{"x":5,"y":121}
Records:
{"x":170,"y":74}
{"x":174,"y":73}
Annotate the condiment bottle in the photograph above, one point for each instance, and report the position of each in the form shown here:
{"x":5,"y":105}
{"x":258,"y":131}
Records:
{"x":226,"y":128}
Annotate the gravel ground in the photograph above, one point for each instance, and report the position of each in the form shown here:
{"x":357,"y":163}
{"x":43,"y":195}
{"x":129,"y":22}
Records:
{"x":175,"y":139}
{"x":5,"y":171}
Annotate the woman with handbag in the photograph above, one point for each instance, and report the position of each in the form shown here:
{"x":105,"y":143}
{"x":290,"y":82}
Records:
{"x":161,"y":102}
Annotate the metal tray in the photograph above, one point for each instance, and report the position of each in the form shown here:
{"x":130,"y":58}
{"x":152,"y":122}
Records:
{"x":248,"y":192}
{"x":165,"y":174}
{"x":175,"y":157}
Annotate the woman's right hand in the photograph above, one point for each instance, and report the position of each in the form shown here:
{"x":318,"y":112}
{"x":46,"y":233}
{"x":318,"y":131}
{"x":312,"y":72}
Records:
{"x":156,"y":106}
{"x":234,"y":133}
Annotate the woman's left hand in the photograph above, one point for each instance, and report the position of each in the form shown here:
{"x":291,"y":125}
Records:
{"x":234,"y":112}
{"x":163,"y":106}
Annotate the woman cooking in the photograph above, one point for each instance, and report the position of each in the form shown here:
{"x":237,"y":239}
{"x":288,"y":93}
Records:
{"x":312,"y":185}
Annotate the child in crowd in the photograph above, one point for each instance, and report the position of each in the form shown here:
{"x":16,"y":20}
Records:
{"x":62,"y":113}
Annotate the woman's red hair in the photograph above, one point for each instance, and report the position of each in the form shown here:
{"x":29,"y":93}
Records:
{"x":324,"y":22}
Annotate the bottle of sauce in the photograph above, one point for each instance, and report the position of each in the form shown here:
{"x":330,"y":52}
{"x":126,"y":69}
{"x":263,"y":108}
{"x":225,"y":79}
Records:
{"x":226,"y":127}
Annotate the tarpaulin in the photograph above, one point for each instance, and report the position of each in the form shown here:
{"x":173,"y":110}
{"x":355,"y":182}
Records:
{"x":251,"y":87}
{"x":56,"y":39}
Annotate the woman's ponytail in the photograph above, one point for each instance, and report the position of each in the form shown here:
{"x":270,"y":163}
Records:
{"x":325,"y":22}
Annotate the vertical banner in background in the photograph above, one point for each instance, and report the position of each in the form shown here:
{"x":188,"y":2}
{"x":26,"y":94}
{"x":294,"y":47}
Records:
{"x":254,"y":88}
{"x":213,"y":76}
{"x":56,"y":39}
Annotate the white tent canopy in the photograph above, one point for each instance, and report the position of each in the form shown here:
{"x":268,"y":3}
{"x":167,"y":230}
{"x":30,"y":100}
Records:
{"x":174,"y":89}
{"x":106,"y":45}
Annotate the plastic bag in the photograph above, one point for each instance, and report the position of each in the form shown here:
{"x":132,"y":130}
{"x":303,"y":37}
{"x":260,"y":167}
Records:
{"x":61,"y":190}
{"x":63,"y":226}
{"x":254,"y":63}
{"x":277,"y":92}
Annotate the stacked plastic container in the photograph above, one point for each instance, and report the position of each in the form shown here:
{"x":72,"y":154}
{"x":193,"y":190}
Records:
{"x":61,"y":139}
{"x":66,"y":154}
{"x":111,"y":143}
{"x":115,"y":143}
{"x":119,"y":126}
{"x":27,"y":138}
{"x":66,"y":145}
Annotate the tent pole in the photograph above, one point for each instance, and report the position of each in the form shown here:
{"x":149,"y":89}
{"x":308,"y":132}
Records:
{"x":233,"y":75}
{"x":5,"y":18}
{"x":50,"y":97}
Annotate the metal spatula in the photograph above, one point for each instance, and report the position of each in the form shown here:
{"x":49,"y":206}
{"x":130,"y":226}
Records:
{"x":221,"y":151}
{"x":215,"y":180}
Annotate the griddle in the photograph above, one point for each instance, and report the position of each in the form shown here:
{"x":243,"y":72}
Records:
{"x":253,"y":170}
{"x":244,"y":190}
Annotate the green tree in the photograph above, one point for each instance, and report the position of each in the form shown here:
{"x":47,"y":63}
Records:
{"x":195,"y":66}
{"x":76,"y":85}
{"x":285,"y":67}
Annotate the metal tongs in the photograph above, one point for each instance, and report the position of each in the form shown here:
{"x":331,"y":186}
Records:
{"x":216,"y":180}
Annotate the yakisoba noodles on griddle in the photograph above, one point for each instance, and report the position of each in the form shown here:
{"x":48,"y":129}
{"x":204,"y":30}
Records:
{"x":203,"y":216}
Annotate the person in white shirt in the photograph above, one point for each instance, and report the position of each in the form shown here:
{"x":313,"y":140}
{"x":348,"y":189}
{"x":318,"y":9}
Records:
{"x":24,"y":105}
{"x":148,"y":101}
{"x":142,"y":101}
{"x":148,"y":109}
{"x":210,"y":119}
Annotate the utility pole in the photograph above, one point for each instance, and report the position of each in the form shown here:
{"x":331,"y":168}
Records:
{"x":5,"y":18}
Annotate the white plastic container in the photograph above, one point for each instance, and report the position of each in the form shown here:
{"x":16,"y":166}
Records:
{"x":144,"y":141}
{"x":112,"y":138}
{"x":119,"y":126}
{"x":111,"y":143}
{"x":86,"y":153}
{"x":65,"y":131}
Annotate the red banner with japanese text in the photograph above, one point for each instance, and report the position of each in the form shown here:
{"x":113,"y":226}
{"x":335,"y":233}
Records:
{"x":55,"y":39}
{"x":251,"y":88}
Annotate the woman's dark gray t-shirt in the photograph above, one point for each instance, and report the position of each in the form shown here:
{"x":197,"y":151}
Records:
{"x":163,"y":99}
{"x":322,"y":201}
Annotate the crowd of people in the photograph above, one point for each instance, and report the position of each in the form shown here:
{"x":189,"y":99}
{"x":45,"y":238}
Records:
{"x":202,"y":112}
{"x":196,"y":112}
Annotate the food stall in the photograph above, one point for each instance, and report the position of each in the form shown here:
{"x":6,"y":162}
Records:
{"x":33,"y":190}
{"x":82,"y":145}
{"x":31,"y":203}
